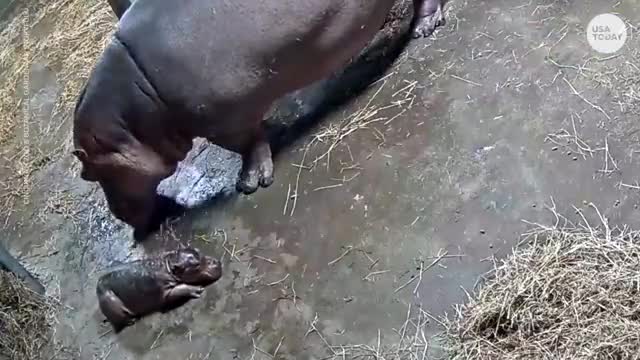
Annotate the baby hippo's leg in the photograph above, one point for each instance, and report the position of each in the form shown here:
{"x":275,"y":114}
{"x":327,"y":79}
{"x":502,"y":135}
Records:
{"x":115,"y":311}
{"x":429,"y":16}
{"x":180,"y":295}
{"x":257,"y":165}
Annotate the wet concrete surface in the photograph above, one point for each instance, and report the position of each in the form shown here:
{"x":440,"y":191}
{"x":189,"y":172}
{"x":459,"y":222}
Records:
{"x":459,"y":157}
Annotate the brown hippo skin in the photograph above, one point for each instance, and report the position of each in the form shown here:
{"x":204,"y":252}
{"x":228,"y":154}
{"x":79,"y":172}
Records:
{"x":160,"y":284}
{"x":176,"y":70}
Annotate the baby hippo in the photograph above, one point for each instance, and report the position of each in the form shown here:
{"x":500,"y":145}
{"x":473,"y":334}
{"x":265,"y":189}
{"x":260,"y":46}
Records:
{"x":159,"y":284}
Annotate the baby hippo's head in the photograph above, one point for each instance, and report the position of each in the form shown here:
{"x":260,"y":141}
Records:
{"x":190,"y":267}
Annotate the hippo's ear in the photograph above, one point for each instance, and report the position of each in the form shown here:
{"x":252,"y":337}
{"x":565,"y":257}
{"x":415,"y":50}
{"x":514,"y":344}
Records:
{"x":80,"y":154}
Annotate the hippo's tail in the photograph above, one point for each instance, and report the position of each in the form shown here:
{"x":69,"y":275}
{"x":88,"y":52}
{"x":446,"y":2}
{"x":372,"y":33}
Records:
{"x":310,"y":105}
{"x":12,"y":265}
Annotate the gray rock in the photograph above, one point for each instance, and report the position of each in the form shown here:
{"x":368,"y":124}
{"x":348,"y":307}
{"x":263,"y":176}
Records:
{"x":207,"y":172}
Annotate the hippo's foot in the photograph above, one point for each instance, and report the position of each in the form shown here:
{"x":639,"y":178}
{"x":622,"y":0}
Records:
{"x":180,"y":295}
{"x":186,"y":291}
{"x":257,"y":169}
{"x":117,"y":314}
{"x":430,"y":16}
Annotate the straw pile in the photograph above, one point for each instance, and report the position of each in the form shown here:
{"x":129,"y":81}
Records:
{"x":26,"y":320}
{"x":573,"y":293}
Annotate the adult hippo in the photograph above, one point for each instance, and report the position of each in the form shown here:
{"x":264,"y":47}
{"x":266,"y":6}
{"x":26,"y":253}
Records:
{"x":177,"y":70}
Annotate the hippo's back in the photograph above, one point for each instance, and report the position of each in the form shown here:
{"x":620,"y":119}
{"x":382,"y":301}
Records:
{"x":139,"y":284}
{"x":194,"y":51}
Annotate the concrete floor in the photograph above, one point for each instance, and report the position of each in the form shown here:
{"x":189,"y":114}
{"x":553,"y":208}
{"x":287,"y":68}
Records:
{"x":457,"y":170}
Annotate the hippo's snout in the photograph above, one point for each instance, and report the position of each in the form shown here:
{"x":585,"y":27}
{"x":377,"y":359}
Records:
{"x":212,"y":269}
{"x":150,"y":215}
{"x":188,"y":266}
{"x":209,"y":271}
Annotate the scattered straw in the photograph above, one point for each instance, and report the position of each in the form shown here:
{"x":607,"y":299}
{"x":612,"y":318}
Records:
{"x":26,"y":320}
{"x":422,"y":270}
{"x":364,"y":118}
{"x":409,"y":342}
{"x":375,"y":116}
{"x":579,"y":95}
{"x":345,"y":253}
{"x":572,"y":293}
{"x":66,"y":36}
{"x":73,"y":46}
{"x":465,"y":80}
{"x":571,"y":140}
{"x":59,"y":202}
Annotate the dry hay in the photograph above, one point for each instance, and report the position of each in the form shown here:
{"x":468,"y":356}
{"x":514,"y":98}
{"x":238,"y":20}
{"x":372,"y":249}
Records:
{"x":79,"y":31}
{"x":376,"y":117}
{"x":26,"y":320}
{"x":572,"y":293}
{"x":367,"y":116}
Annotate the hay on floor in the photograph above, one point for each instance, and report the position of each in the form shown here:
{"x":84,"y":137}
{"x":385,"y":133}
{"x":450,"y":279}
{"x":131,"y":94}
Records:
{"x":571,"y":293}
{"x":26,"y":320}
{"x":79,"y":31}
{"x":66,"y":36}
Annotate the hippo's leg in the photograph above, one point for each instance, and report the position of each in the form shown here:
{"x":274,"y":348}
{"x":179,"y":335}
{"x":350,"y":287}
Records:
{"x":180,"y":295}
{"x":119,"y":6}
{"x":429,"y":16}
{"x":115,"y":311}
{"x":257,"y":165}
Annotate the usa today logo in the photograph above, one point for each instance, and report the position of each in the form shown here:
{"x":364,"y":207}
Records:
{"x":607,"y":33}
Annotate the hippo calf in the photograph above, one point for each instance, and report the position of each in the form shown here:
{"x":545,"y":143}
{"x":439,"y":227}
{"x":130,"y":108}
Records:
{"x":160,"y":284}
{"x":177,"y":70}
